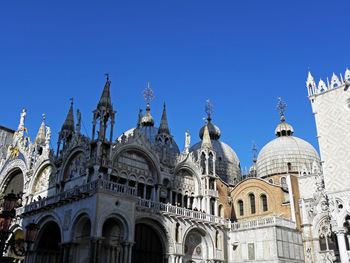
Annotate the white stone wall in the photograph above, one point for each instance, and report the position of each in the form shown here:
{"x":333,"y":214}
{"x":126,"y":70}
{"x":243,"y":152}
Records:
{"x":5,"y":140}
{"x":332,"y":115}
{"x":271,"y":244}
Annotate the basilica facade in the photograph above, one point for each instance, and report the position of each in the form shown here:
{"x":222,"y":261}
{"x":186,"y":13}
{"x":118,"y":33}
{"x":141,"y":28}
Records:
{"x":140,"y":199}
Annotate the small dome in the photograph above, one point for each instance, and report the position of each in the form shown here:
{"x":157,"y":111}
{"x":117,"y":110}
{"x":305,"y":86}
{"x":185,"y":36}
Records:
{"x":284,"y":129}
{"x":285,"y":154}
{"x":227,"y":163}
{"x":147,"y":120}
{"x":214,"y":131}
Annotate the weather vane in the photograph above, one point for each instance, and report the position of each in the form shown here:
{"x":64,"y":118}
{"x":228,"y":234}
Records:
{"x":148,"y":94}
{"x":209,"y":109}
{"x":281,"y":107}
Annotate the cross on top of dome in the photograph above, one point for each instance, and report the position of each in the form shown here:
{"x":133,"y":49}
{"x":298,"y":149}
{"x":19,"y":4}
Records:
{"x":281,"y":108}
{"x":209,"y":109}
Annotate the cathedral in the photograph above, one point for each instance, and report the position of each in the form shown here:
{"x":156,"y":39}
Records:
{"x":141,"y":199}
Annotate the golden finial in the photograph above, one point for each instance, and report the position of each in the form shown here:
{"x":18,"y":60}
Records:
{"x":281,"y":107}
{"x":148,"y":94}
{"x":209,"y":109}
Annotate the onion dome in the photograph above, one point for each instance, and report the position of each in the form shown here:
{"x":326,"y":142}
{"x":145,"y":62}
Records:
{"x":284,"y":129}
{"x":285,"y":154}
{"x":147,"y":120}
{"x":214,"y":131}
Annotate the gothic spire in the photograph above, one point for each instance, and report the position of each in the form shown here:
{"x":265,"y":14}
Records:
{"x":69,"y":122}
{"x":40,"y":137}
{"x":105,"y":100}
{"x":163,"y":127}
{"x":206,"y":142}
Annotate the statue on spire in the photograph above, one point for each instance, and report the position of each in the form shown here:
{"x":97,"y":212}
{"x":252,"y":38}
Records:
{"x":281,"y":108}
{"x":187,"y":141}
{"x":254,"y":150}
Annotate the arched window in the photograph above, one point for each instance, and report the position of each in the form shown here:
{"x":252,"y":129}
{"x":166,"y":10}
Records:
{"x":283,"y":181}
{"x":241,"y":208}
{"x":217,"y":239}
{"x":252,"y":203}
{"x":271,"y":181}
{"x":203,"y":163}
{"x":264,"y":202}
{"x":211,"y":165}
{"x":221,"y":211}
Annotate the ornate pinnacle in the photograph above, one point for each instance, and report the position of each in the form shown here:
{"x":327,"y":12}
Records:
{"x":281,"y":107}
{"x":209,"y":109}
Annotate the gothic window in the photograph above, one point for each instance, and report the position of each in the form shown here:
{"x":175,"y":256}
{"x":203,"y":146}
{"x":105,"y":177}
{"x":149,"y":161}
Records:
{"x":221,"y":211}
{"x":14,"y":183}
{"x":177,"y":233}
{"x":264,"y":202}
{"x":203,"y":161}
{"x":75,"y":166}
{"x":211,"y":165}
{"x":252,"y":203}
{"x":241,"y":207}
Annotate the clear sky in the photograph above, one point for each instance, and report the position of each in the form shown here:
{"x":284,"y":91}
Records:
{"x":242,"y":55}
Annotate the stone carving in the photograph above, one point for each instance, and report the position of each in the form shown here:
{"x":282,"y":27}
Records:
{"x":187,"y":141}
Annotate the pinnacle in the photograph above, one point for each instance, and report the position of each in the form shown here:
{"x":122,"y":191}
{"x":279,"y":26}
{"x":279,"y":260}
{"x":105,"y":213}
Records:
{"x":163,"y":127}
{"x":206,"y":142}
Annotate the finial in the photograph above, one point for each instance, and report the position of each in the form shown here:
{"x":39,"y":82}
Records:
{"x":107,"y":76}
{"x":254,"y":150}
{"x":148,"y":94}
{"x":71,"y":101}
{"x":43,"y":115}
{"x":209,"y":109}
{"x":281,"y":107}
{"x":205,"y":120}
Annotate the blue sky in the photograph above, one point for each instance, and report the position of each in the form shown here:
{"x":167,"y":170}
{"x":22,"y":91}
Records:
{"x":242,"y":55}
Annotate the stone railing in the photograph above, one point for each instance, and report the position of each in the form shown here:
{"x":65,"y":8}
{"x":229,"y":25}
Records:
{"x":262,"y":222}
{"x":182,"y":212}
{"x":79,"y":192}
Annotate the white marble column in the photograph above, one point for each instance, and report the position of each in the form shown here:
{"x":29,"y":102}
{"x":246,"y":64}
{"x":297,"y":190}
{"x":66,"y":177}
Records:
{"x":342,"y":246}
{"x":216,"y":207}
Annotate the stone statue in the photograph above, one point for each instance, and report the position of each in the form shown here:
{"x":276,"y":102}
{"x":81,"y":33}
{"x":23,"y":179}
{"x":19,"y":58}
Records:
{"x":48,"y":135}
{"x":79,"y":121}
{"x":187,"y":141}
{"x":139,"y":119}
{"x":21,"y":122}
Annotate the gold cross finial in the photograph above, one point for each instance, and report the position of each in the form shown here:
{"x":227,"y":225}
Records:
{"x":148,"y":94}
{"x":209,"y":109}
{"x":281,"y":107}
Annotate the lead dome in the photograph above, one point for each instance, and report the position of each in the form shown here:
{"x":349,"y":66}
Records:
{"x":286,"y":153}
{"x":227,"y":164}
